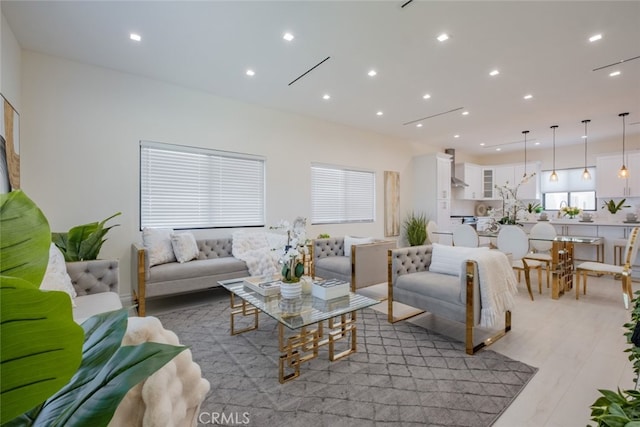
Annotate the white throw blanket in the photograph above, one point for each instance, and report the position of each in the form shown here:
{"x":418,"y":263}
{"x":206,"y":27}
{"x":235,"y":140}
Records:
{"x":260,"y":250}
{"x":498,"y":285}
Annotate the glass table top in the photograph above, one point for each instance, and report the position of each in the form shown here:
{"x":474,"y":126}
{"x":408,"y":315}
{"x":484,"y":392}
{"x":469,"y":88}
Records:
{"x":299,"y":312}
{"x":570,"y":239}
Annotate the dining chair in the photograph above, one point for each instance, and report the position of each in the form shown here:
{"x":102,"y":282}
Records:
{"x":465,"y":235}
{"x":630,"y":252}
{"x":431,"y":227}
{"x":513,"y":241}
{"x":541,"y":249}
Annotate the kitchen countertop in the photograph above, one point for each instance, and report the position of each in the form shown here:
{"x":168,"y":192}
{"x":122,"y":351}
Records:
{"x":597,"y":222}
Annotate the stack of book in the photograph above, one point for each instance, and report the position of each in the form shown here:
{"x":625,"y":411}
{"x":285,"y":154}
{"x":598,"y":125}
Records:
{"x":325,"y":305}
{"x":330,"y":288}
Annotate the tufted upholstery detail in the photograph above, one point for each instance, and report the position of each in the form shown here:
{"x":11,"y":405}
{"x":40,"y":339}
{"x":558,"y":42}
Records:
{"x":410,"y":260}
{"x":215,"y":248}
{"x":328,"y":247}
{"x":92,"y":277}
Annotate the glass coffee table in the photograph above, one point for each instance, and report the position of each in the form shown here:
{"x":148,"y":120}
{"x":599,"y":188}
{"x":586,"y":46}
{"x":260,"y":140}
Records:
{"x":304,"y":324}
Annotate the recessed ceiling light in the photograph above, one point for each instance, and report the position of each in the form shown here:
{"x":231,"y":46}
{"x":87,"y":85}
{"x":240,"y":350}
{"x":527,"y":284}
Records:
{"x":379,"y":113}
{"x":250,"y":72}
{"x":615,"y":73}
{"x":442,"y":37}
{"x":595,"y":37}
{"x":528,"y":96}
{"x":456,"y":136}
{"x":326,"y":96}
{"x":465,"y":113}
{"x":494,"y":73}
{"x":537,"y":143}
{"x":288,"y":37}
{"x":419,"y":125}
{"x":426,"y":96}
{"x":372,"y":73}
{"x":498,"y":149}
{"x":135,"y":37}
{"x":482,"y":144}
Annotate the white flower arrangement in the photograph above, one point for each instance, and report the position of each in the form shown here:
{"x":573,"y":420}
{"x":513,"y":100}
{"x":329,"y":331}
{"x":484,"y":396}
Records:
{"x":511,"y":205}
{"x":292,"y":266}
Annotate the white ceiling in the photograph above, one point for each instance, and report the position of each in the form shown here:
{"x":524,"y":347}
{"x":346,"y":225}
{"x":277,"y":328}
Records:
{"x":540,"y":48}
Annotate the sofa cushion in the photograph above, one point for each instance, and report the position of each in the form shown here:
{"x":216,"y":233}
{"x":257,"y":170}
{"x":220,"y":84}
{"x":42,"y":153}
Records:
{"x":89,"y":305}
{"x":157,"y":241}
{"x":350,"y":241}
{"x":449,"y":259}
{"x":196,"y":268}
{"x":337,"y":264}
{"x":441,"y":286}
{"x":56,"y":277}
{"x":184,"y":246}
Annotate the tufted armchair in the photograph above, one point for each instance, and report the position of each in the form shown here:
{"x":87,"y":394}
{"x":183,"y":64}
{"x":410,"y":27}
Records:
{"x":96,"y":284}
{"x":454,"y":296}
{"x":365,"y":266}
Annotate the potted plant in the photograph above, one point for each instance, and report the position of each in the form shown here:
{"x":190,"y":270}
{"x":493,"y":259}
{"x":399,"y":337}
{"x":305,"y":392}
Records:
{"x":614,"y":207}
{"x":83,"y":242}
{"x":622,"y":407}
{"x":415,"y":228}
{"x":54,"y":371}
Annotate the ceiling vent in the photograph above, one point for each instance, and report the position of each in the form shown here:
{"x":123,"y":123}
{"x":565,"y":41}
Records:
{"x":455,"y":182}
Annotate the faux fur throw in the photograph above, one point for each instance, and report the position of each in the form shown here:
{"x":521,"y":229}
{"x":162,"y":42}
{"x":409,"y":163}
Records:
{"x":172,"y":396}
{"x":498,"y":285}
{"x":260,"y":250}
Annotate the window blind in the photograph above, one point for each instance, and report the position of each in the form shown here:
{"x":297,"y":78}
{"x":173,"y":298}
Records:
{"x":568,"y":180}
{"x":341,"y":195}
{"x":188,"y":187}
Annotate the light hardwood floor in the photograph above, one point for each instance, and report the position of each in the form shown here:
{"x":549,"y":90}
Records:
{"x":578,"y":347}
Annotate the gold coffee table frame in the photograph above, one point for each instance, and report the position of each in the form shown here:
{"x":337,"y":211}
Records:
{"x":319,"y":323}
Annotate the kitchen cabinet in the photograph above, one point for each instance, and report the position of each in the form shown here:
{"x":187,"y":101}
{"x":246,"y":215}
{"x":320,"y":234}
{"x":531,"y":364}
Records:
{"x":432,"y":187}
{"x":608,"y":185}
{"x":511,"y":176}
{"x":488,"y":183}
{"x":472,"y":175}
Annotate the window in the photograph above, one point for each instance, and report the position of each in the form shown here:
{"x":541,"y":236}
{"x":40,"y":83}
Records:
{"x":569,"y":190}
{"x":188,"y":187}
{"x":341,"y":195}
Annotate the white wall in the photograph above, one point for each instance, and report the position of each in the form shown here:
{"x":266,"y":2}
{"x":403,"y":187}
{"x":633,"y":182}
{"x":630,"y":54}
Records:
{"x":9,"y":65}
{"x":81,"y":126}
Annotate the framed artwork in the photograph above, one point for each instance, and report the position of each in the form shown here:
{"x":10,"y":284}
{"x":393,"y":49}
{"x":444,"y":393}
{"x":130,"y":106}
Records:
{"x":9,"y":148}
{"x":391,"y":203}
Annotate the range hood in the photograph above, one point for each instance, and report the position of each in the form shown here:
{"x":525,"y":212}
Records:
{"x":455,"y":182}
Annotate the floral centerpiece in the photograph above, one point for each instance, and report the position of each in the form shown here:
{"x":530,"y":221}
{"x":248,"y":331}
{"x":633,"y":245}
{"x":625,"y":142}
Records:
{"x":292,"y":264}
{"x":511,"y":205}
{"x":570,"y":211}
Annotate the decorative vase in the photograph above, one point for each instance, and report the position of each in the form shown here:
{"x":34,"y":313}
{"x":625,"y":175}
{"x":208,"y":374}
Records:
{"x":291,"y":290}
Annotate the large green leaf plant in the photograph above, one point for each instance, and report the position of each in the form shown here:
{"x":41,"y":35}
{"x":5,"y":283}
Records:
{"x":54,"y":372}
{"x":83,"y":242}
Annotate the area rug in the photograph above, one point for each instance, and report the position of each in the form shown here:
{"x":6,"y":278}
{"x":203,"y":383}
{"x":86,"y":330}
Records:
{"x":401,"y":374}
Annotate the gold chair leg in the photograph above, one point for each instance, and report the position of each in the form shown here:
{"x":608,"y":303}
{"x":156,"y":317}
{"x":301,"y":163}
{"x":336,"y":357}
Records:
{"x":578,"y":284}
{"x":527,"y":280}
{"x":540,"y":279}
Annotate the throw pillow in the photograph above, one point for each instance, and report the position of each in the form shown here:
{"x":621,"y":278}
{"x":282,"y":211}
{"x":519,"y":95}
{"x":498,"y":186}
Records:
{"x":157,"y":241}
{"x":184,"y":247}
{"x":350,"y":241}
{"x":56,"y":277}
{"x":448,"y":259}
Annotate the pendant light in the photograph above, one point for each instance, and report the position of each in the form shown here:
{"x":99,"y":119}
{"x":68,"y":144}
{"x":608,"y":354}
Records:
{"x":554,"y":175}
{"x":623,"y":172}
{"x":585,"y":174}
{"x":524,"y":176}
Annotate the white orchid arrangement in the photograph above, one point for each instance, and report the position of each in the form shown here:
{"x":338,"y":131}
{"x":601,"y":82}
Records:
{"x":292,"y":266}
{"x":511,"y":205}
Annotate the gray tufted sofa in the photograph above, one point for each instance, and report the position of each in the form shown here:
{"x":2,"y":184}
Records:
{"x":215,"y":262}
{"x":366,"y":266}
{"x":452,"y":297}
{"x":96,"y":283}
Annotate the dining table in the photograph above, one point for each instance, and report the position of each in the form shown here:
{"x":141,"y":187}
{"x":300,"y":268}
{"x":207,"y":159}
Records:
{"x":562,"y":256}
